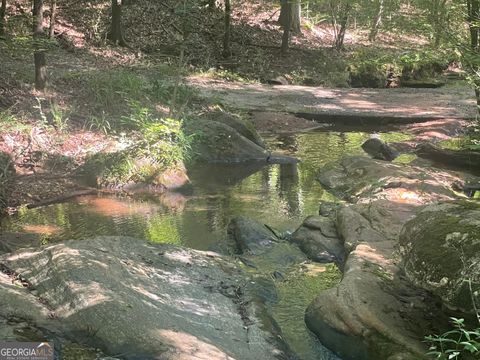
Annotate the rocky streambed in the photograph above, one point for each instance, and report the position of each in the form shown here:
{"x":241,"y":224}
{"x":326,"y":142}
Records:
{"x":381,"y":256}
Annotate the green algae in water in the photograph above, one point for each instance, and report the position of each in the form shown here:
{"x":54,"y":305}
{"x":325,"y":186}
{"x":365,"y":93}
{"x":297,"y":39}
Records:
{"x":405,"y":159}
{"x":298,"y":290}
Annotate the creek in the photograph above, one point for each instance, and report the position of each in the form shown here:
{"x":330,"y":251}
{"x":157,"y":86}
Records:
{"x":278,"y":195}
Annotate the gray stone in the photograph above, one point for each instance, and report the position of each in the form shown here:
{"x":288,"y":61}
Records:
{"x":145,"y":301}
{"x":356,"y":178}
{"x":250,"y":236}
{"x":379,"y":150}
{"x":216,"y":142}
{"x":242,"y":126}
{"x":318,"y":239}
{"x":328,"y":208}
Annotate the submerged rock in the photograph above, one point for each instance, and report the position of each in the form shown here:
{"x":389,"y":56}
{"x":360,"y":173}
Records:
{"x":145,"y":301}
{"x":318,"y":238}
{"x":441,"y":250}
{"x":250,"y":236}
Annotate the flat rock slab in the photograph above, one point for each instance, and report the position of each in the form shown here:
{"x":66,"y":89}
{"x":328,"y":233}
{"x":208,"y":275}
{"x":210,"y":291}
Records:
{"x":146,"y":301}
{"x":400,"y":103}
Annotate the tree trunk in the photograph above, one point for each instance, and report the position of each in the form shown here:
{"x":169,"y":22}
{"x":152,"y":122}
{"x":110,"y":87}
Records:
{"x":53,"y":14}
{"x":116,"y":31}
{"x":286,"y":27}
{"x":345,"y":13}
{"x":438,"y":17}
{"x":292,"y":9}
{"x":473,"y":18}
{"x":377,"y":20}
{"x":3,"y":11}
{"x":39,"y":53}
{"x":226,"y":36}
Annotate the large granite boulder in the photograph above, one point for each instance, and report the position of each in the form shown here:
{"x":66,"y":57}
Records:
{"x":357,"y":178}
{"x":217,"y":142}
{"x":7,"y":175}
{"x":242,"y":126}
{"x":373,"y":313}
{"x":376,"y":312}
{"x":441,"y":250}
{"x":144,"y":301}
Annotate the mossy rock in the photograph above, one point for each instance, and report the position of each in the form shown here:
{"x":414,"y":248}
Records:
{"x":216,"y":142}
{"x":367,"y":75}
{"x":7,"y":176}
{"x":441,"y":248}
{"x":244,"y":127}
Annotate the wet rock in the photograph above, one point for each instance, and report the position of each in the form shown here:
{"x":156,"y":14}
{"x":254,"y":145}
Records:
{"x":355,"y":178}
{"x":328,"y":208}
{"x":250,"y":236}
{"x":317,"y":237}
{"x":242,"y":126}
{"x":441,"y":250}
{"x":145,"y":301}
{"x":7,"y":176}
{"x":379,"y":150}
{"x":215,"y":142}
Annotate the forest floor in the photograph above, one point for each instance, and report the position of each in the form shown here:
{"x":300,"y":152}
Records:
{"x":93,"y":85}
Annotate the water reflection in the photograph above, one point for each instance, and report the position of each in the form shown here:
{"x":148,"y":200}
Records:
{"x":280,"y":195}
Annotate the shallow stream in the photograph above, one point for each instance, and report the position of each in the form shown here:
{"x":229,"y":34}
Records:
{"x":278,"y":195}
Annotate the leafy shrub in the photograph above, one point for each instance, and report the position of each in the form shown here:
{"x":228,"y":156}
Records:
{"x":458,"y":343}
{"x":424,"y":64}
{"x":111,"y":89}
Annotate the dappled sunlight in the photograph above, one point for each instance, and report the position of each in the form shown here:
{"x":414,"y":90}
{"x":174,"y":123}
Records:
{"x":189,"y":347}
{"x":368,"y":253}
{"x":85,"y":295}
{"x":42,"y":229}
{"x":154,"y":297}
{"x":355,"y":102}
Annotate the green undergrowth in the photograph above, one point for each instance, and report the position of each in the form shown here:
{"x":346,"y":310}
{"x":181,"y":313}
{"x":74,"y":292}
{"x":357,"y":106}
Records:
{"x":154,"y":144}
{"x":368,"y":67}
